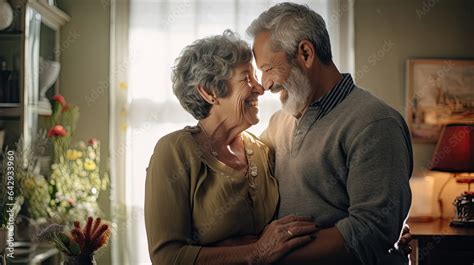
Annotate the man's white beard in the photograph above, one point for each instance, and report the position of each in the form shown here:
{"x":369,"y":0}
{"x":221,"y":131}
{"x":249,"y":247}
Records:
{"x":299,"y":91}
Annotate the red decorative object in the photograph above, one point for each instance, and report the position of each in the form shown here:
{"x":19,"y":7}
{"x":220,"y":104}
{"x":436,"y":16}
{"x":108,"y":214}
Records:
{"x":93,"y":141}
{"x":455,"y":153}
{"x":455,"y":149}
{"x":467,"y":181}
{"x":80,"y":245}
{"x":92,"y":237}
{"x":57,"y":130}
{"x":60,"y":99}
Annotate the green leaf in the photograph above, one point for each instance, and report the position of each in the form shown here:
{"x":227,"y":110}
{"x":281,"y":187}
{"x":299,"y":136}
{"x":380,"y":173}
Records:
{"x":65,"y":239}
{"x":58,"y":242}
{"x":75,"y":248}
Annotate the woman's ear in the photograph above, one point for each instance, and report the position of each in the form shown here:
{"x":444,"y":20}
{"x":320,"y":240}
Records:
{"x":306,"y":53}
{"x":208,"y":97}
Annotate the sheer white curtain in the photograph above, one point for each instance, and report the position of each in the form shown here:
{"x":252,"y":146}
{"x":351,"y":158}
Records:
{"x":143,"y":106}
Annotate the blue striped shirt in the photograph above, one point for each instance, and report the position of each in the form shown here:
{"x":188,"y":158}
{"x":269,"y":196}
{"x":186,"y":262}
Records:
{"x":335,"y":96}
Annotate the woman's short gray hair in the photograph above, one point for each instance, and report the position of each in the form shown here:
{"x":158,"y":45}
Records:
{"x":207,"y":62}
{"x":290,"y":23}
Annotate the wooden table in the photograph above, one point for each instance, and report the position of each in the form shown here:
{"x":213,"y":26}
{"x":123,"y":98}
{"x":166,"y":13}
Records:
{"x":435,"y":242}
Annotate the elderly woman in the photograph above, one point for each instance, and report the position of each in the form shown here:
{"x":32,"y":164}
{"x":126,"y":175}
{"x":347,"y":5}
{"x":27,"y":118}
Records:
{"x":213,"y":181}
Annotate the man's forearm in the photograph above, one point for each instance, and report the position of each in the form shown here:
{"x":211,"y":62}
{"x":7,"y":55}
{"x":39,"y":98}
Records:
{"x":234,"y":255}
{"x":327,"y":248}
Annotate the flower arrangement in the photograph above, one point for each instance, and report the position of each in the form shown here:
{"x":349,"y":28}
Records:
{"x":71,"y":190}
{"x":81,"y":242}
{"x":75,"y":180}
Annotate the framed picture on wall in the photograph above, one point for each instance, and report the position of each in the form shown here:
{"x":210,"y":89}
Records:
{"x":439,"y":92}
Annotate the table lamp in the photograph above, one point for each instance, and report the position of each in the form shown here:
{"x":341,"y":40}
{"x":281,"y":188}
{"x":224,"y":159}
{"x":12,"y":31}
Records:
{"x":454,"y":153}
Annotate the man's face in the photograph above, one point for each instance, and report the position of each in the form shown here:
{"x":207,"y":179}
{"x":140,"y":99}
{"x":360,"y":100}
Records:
{"x":278,"y":75}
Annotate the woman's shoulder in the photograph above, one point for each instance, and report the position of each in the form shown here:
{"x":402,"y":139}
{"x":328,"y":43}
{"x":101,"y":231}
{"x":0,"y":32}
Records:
{"x":178,"y":140}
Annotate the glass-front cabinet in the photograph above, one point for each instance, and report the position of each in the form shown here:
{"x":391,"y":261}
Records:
{"x":29,"y":61}
{"x":29,"y":69}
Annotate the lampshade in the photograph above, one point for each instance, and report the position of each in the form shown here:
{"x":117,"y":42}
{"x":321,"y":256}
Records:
{"x":455,"y":149}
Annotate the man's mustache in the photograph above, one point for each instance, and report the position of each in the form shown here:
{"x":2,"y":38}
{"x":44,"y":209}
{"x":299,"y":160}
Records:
{"x":276,"y":88}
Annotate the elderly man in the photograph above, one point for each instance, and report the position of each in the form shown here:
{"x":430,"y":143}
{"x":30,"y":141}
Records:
{"x":343,"y":156}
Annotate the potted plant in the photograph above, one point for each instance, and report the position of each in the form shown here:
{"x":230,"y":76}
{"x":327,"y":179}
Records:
{"x":80,"y":244}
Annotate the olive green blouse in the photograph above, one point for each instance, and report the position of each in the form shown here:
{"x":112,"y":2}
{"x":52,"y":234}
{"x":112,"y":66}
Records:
{"x":192,"y":199}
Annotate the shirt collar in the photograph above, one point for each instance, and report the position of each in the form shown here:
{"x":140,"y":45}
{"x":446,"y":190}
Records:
{"x":335,"y":96}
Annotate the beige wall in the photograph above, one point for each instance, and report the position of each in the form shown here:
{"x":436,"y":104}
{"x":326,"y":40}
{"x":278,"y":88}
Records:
{"x":85,"y":77}
{"x":387,"y":32}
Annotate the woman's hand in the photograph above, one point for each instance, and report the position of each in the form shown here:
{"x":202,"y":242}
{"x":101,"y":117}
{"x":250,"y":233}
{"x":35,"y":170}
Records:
{"x":282,"y":236}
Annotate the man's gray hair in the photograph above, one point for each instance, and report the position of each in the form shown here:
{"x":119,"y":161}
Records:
{"x":290,"y":23}
{"x":207,"y":62}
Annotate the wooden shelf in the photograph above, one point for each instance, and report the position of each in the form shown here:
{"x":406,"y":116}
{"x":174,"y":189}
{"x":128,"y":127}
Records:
{"x":51,"y":16}
{"x":10,"y":34}
{"x":9,"y":105}
{"x":10,"y":112}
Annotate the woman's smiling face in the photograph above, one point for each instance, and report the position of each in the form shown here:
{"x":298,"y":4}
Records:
{"x":241,"y":104}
